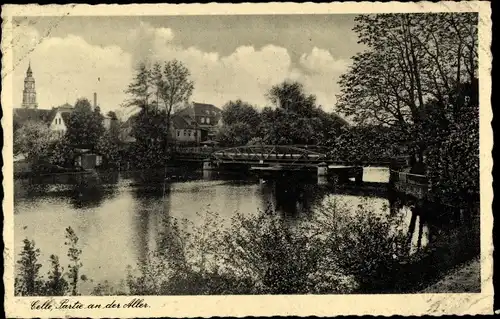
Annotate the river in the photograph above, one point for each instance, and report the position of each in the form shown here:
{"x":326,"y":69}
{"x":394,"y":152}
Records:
{"x":117,"y":222}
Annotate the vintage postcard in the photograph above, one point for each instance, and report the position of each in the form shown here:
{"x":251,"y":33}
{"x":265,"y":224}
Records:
{"x":247,"y":159}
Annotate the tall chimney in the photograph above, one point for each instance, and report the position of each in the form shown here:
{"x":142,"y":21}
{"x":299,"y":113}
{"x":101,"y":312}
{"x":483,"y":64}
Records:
{"x":95,"y":100}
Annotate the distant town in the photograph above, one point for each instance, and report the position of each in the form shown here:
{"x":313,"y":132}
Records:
{"x":192,"y":124}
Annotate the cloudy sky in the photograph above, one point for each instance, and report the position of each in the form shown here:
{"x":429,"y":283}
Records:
{"x":229,"y":57}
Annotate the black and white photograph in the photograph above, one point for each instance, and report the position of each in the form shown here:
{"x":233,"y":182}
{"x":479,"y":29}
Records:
{"x":272,"y":154}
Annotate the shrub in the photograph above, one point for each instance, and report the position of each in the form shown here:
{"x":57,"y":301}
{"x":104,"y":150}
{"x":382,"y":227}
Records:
{"x":29,"y":282}
{"x":336,"y":251}
{"x":57,"y":284}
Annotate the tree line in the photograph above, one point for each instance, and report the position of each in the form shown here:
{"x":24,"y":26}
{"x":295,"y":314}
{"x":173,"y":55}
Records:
{"x":418,"y":78}
{"x":84,"y":130}
{"x":293,"y":117}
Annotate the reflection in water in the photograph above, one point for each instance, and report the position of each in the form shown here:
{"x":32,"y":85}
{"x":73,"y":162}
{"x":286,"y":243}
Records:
{"x":290,"y":197}
{"x":118,"y":216}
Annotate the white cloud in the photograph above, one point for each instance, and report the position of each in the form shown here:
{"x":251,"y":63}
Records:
{"x":320,"y":74}
{"x":70,"y":67}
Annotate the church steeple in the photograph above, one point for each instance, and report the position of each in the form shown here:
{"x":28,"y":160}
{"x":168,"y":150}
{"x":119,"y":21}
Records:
{"x":29,"y":91}
{"x":29,"y":73}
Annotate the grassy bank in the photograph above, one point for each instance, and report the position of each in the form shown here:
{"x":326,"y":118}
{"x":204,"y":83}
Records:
{"x":465,"y":277}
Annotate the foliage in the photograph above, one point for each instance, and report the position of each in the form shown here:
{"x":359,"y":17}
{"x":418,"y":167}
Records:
{"x":112,"y":115}
{"x":106,"y":289}
{"x":108,"y":146}
{"x":235,"y":134}
{"x":336,"y":251}
{"x":62,"y":153}
{"x":157,"y":90}
{"x":139,"y":90}
{"x":295,"y":119}
{"x":365,"y":143}
{"x":290,"y":96}
{"x":366,"y":245}
{"x":454,"y":156}
{"x":256,"y":141}
{"x":150,"y":129}
{"x":281,"y":126}
{"x":57,"y":284}
{"x":74,"y":253}
{"x":33,"y":139}
{"x":240,"y":112}
{"x":28,"y":282}
{"x":172,"y":85}
{"x":240,"y":121}
{"x":85,"y":125}
{"x":411,"y":58}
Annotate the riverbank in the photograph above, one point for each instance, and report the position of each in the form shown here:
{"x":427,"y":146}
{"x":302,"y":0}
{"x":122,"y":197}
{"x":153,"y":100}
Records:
{"x":464,"y":278}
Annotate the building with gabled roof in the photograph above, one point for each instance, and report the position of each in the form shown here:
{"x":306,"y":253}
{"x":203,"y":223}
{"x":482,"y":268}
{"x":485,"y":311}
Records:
{"x":204,"y":116}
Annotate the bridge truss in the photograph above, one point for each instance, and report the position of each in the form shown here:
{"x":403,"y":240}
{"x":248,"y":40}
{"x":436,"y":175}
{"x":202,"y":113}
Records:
{"x":280,"y":154}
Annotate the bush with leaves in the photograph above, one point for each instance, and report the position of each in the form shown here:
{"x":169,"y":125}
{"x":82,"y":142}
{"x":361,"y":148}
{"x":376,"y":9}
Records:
{"x":365,"y":244}
{"x":335,"y":251}
{"x":109,"y":147}
{"x":29,"y":282}
{"x":33,"y":140}
{"x":57,"y":284}
{"x":62,"y":153}
{"x":74,"y":253}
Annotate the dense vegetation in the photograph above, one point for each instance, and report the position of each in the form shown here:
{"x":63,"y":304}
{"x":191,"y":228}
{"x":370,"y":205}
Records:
{"x":85,"y":130}
{"x":418,"y":78}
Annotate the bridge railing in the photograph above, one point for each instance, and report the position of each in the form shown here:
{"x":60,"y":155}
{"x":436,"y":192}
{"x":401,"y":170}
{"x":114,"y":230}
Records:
{"x":409,"y":178}
{"x":197,"y":150}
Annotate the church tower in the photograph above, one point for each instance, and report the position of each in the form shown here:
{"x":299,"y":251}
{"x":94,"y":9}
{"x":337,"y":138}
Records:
{"x":29,"y":92}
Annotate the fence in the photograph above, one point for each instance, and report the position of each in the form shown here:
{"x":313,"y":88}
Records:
{"x":411,"y":184}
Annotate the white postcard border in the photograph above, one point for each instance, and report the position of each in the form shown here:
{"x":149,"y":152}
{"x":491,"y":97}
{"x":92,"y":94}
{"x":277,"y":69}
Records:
{"x":238,"y":306}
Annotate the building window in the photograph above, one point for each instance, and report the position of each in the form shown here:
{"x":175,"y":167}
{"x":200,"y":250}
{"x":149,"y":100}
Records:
{"x":195,"y":133}
{"x":208,"y":120}
{"x":178,"y":133}
{"x":184,"y":133}
{"x":202,"y":120}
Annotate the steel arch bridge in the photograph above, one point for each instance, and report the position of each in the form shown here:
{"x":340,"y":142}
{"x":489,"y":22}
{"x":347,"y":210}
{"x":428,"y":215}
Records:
{"x":279,"y":154}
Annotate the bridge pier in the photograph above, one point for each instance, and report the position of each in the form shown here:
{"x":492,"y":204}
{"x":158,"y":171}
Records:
{"x":322,"y":172}
{"x":208,"y":165}
{"x":358,"y":175}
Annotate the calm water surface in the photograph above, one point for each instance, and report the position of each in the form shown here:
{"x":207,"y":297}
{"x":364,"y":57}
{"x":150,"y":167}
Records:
{"x":118,"y":222}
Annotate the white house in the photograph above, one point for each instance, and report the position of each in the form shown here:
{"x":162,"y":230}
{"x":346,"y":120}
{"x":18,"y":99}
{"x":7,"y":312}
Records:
{"x":59,"y":119}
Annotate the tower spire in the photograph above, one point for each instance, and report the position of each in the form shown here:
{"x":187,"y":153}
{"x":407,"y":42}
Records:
{"x":29,"y":92}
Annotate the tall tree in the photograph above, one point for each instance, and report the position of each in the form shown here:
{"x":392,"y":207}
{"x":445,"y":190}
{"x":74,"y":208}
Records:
{"x":85,"y":125}
{"x":240,"y":123}
{"x":172,"y":86}
{"x":240,"y":112}
{"x":410,"y":59}
{"x":33,"y":139}
{"x":159,"y":90}
{"x":139,"y":91}
{"x":296,"y":118}
{"x":291,"y":97}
